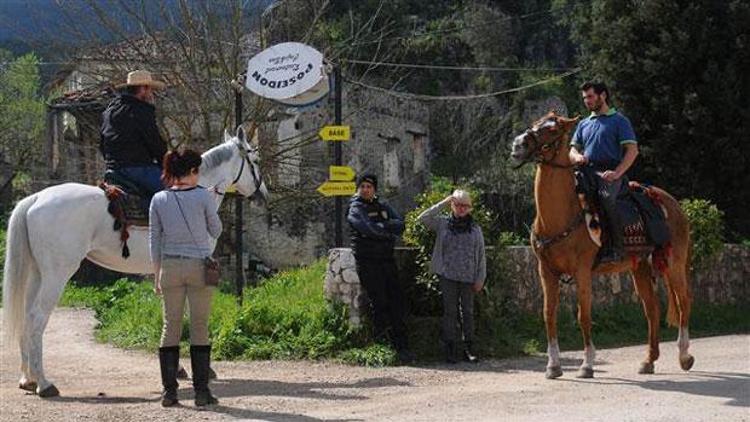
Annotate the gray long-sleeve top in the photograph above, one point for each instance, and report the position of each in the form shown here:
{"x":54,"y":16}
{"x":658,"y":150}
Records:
{"x":168,"y":232}
{"x":456,"y":256}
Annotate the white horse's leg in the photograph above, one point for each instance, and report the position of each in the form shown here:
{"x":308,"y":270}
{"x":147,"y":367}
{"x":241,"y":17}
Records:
{"x":27,"y":381}
{"x":49,"y":294}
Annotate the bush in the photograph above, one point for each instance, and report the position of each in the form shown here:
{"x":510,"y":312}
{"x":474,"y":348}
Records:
{"x":416,"y":234}
{"x":706,"y":229}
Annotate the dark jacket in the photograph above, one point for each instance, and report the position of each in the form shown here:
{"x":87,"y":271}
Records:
{"x":129,"y":135}
{"x":375,"y":227}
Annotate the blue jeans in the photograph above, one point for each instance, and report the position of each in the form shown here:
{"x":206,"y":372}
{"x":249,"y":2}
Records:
{"x":147,"y":177}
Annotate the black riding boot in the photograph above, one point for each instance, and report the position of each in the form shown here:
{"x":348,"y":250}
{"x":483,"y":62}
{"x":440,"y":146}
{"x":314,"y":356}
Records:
{"x":200,"y":359}
{"x":169,"y":359}
{"x":469,"y":355}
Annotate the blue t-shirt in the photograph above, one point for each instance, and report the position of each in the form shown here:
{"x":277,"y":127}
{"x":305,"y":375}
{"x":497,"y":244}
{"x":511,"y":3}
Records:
{"x":601,"y":137}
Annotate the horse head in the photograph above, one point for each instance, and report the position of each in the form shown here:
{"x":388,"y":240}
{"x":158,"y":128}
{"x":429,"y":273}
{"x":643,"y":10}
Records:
{"x":248,"y":180}
{"x":543,"y":140}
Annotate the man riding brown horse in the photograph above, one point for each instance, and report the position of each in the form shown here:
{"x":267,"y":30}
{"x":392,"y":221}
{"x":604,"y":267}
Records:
{"x":608,"y":145}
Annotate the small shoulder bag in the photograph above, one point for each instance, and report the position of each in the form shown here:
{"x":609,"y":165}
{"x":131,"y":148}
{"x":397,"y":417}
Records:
{"x":212,"y":270}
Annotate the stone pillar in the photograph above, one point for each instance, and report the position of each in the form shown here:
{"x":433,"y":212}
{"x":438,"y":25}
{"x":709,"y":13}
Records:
{"x":342,"y":283}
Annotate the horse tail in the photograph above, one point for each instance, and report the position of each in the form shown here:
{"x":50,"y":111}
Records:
{"x":673,"y":318}
{"x":19,"y":263}
{"x":674,"y":303}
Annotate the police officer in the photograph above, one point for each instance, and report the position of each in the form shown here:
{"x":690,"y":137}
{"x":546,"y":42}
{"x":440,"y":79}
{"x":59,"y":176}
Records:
{"x":375,"y":228}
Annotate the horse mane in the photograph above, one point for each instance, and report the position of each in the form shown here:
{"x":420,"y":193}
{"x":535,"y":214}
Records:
{"x":217,"y":155}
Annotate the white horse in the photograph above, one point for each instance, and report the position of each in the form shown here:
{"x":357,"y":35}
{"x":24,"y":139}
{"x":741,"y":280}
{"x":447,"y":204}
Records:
{"x":51,"y":231}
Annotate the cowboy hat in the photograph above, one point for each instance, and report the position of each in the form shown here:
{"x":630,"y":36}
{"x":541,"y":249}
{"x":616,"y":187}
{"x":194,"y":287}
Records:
{"x":142,"y":77}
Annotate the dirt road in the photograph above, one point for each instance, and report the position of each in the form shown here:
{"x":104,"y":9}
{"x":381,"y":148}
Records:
{"x":102,"y":383}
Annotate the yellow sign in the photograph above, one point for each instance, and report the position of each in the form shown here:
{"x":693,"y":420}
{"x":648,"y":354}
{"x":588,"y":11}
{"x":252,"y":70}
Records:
{"x":340,"y":173}
{"x":335,"y":133}
{"x":330,"y":188}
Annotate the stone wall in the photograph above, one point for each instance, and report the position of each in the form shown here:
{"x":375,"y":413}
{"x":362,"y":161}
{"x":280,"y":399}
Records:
{"x":726,"y":280}
{"x":342,"y":283}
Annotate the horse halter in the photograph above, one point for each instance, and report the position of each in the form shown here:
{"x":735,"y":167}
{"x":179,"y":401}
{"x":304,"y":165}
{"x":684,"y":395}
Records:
{"x":257,"y":178}
{"x":539,"y":148}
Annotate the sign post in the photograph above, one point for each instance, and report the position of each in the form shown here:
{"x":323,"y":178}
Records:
{"x":337,"y":151}
{"x":239,"y":271}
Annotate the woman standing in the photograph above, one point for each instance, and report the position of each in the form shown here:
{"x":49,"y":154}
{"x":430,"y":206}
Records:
{"x":183,"y":218}
{"x":458,"y":260}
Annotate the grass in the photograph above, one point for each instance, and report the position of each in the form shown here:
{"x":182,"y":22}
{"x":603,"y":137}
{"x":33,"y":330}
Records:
{"x":287,"y":317}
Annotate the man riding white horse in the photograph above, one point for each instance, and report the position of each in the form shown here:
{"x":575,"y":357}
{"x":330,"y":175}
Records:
{"x":130,"y":141}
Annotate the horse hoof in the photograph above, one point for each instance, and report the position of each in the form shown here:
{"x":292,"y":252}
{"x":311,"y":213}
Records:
{"x":646,"y":368}
{"x":687,"y":363}
{"x":28,"y":386}
{"x":48,"y":392}
{"x":585,"y":372}
{"x":553,"y":372}
{"x":182,"y":373}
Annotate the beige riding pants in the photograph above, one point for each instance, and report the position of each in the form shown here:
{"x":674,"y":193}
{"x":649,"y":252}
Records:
{"x":181,"y":278}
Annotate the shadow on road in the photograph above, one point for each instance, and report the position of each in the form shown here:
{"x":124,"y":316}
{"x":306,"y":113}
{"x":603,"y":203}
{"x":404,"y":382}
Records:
{"x":103,"y":399}
{"x":735,"y":387}
{"x":250,"y":387}
{"x":250,"y":414}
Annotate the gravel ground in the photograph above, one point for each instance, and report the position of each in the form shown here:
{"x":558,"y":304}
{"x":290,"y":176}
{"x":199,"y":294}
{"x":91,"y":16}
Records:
{"x":99,"y":382}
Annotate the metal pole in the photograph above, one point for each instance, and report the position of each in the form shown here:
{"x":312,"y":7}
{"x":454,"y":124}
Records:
{"x":238,"y":229}
{"x":337,"y":151}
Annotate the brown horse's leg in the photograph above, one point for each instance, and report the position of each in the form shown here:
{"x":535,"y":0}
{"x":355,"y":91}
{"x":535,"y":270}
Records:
{"x":551,"y":288}
{"x":583,"y":284}
{"x":678,"y":281}
{"x":644,"y":286}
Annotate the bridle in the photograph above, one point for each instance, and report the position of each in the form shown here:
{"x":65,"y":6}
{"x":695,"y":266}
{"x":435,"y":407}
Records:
{"x":539,"y":149}
{"x":257,"y":177}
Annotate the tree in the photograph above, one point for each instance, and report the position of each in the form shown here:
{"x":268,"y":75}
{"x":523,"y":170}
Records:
{"x":679,"y":72}
{"x":21,"y":112}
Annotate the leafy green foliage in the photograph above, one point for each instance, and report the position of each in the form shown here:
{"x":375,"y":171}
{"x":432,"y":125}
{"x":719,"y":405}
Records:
{"x":684,"y":85}
{"x":416,"y":234}
{"x":22,"y":117}
{"x":376,"y":355}
{"x":706,"y":229}
{"x":286,"y":317}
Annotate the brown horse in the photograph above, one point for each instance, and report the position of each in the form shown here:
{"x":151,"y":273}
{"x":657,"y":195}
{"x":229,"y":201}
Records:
{"x":563,"y":246}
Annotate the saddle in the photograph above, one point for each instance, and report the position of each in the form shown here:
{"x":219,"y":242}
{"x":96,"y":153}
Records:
{"x":127,"y":204}
{"x":643,"y":216}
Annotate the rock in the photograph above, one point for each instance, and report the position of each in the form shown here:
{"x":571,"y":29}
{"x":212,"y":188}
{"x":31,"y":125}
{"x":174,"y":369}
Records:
{"x":350,"y":276}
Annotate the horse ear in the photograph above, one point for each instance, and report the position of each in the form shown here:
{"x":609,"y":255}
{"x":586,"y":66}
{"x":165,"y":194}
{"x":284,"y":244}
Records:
{"x":568,"y":122}
{"x":227,"y":136}
{"x":241,"y":133}
{"x":254,"y":140}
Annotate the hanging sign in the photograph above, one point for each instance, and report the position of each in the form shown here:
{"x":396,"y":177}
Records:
{"x":284,"y":71}
{"x":311,"y":96}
